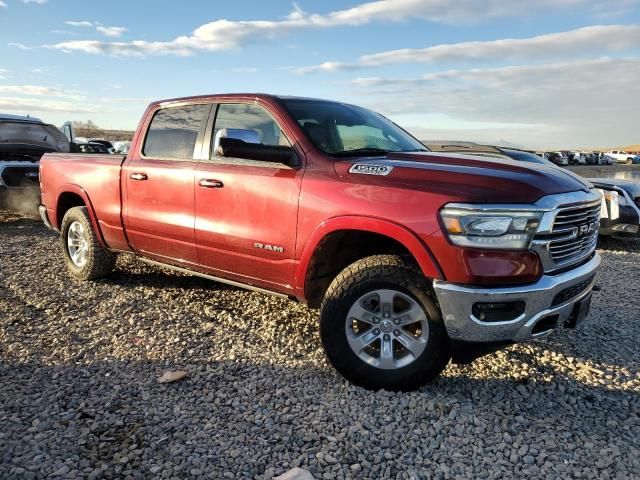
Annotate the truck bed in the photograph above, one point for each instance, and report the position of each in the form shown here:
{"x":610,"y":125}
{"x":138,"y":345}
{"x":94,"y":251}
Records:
{"x":93,"y":177}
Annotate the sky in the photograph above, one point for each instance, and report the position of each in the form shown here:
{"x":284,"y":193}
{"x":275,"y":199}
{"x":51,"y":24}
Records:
{"x":538,"y":74}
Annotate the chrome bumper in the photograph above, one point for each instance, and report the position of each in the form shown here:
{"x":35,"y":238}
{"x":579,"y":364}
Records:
{"x":42,"y":210}
{"x":456,"y":303}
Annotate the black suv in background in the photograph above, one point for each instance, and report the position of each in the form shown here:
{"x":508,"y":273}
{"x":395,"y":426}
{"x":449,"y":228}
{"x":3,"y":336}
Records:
{"x":23,"y":140}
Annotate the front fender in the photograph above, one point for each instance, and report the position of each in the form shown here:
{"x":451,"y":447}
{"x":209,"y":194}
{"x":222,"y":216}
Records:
{"x":401,"y":234}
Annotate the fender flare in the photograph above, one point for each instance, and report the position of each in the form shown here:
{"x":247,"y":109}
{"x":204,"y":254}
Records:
{"x":78,"y":190}
{"x":418,"y":249}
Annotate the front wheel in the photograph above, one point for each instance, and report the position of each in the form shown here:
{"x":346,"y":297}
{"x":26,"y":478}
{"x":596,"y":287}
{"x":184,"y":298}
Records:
{"x":381,"y":327}
{"x":83,"y":254}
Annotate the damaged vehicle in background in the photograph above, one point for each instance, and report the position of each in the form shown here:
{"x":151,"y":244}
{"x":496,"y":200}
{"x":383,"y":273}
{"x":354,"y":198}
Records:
{"x":620,"y":211}
{"x":623,"y":203}
{"x":23,"y":140}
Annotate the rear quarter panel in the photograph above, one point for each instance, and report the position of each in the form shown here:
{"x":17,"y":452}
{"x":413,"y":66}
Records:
{"x":96,"y":179}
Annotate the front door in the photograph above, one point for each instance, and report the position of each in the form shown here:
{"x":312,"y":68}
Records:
{"x":159,"y":179}
{"x":246,"y":210}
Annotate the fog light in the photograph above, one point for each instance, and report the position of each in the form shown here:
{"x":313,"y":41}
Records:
{"x":498,"y":312}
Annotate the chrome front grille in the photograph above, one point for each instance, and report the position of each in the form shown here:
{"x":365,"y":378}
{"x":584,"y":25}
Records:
{"x":574,"y":233}
{"x":569,"y":233}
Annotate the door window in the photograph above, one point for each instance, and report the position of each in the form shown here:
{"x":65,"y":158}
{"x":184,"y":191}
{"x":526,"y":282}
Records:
{"x":250,"y":117}
{"x":173,"y":132}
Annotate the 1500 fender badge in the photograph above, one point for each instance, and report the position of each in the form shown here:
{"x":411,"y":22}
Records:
{"x":367,"y":169}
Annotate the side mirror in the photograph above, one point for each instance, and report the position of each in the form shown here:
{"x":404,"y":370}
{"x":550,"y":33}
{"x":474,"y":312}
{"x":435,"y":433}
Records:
{"x":246,"y":135}
{"x":233,"y":148}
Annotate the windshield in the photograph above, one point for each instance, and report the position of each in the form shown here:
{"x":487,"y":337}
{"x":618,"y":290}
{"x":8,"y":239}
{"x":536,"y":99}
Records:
{"x":342,"y":130}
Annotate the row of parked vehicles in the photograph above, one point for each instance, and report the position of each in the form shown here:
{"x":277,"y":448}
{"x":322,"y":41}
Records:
{"x":414,"y":254}
{"x":613,"y":157}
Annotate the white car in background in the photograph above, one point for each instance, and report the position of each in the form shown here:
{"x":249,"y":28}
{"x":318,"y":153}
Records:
{"x":621,"y":156}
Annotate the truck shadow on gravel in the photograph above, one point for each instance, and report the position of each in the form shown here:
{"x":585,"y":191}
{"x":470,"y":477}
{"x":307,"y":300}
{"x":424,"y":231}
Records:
{"x":241,"y":417}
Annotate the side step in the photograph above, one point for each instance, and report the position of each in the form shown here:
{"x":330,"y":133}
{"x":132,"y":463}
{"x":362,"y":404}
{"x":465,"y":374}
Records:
{"x":246,"y":286}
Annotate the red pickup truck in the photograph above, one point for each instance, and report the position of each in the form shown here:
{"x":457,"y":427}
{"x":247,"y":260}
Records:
{"x":413,"y":257}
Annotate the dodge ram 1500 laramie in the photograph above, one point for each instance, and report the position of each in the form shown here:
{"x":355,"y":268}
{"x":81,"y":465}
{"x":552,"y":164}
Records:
{"x":413,"y":257}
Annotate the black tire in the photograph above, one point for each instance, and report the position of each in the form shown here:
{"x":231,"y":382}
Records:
{"x":99,"y":261}
{"x":368,"y":275}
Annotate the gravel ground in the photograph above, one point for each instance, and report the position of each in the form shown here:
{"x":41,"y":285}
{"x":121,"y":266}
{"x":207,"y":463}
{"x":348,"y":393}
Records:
{"x":79,"y":395}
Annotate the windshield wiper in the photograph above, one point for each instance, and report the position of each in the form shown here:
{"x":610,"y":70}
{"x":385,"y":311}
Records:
{"x":362,"y":151}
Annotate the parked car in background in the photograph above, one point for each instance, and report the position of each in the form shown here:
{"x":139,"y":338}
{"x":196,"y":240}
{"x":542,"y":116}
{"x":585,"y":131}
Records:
{"x":623,"y":196}
{"x":123,"y":148}
{"x":620,"y":211}
{"x":412,"y":256}
{"x":621,"y":156}
{"x":23,"y":140}
{"x":557,"y":158}
{"x":91,"y":147}
{"x":106,"y":143}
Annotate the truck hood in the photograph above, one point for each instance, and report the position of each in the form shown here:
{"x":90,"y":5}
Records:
{"x":470,"y":178}
{"x":29,"y":140}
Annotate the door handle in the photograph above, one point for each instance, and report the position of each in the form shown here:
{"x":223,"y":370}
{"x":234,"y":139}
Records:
{"x":138,"y":176}
{"x":210,"y":183}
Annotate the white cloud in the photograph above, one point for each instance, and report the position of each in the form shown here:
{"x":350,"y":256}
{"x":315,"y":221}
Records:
{"x":79,"y":23}
{"x":39,"y":2}
{"x":21,"y":46}
{"x":579,"y":103}
{"x":20,"y":104}
{"x":103,"y":29}
{"x":30,"y":90}
{"x":225,"y":34}
{"x":111,"y":31}
{"x":580,"y":42}
{"x":3,"y":4}
{"x":244,"y":70}
{"x":63,"y":32}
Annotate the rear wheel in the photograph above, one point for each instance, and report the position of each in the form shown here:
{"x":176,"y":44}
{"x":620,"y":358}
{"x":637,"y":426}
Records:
{"x":84,"y":256}
{"x":381,"y":327}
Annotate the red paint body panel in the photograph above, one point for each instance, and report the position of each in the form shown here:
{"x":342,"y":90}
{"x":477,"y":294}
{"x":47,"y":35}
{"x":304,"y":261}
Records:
{"x":169,"y":216}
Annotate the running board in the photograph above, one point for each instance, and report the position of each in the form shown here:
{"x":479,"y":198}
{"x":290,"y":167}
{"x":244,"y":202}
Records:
{"x":246,"y":286}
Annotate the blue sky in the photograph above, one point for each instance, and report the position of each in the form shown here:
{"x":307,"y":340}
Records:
{"x":548,"y":73}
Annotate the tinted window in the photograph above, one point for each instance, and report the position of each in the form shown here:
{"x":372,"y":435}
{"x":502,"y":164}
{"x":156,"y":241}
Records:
{"x":173,"y":131}
{"x":338,"y":129}
{"x":249,"y":117}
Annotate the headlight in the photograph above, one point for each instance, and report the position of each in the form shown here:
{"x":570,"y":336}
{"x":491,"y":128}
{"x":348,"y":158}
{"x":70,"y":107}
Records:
{"x":492,"y":229}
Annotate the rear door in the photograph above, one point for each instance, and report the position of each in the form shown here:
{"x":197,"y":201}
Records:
{"x":159,"y":179}
{"x":246,"y":210}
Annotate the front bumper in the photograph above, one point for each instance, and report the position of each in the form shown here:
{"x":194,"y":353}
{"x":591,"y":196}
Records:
{"x":44,"y":216}
{"x":552,"y":298}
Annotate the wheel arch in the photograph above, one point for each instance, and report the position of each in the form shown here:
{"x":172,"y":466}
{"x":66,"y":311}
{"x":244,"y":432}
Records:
{"x":71,"y":196}
{"x":370,"y":235}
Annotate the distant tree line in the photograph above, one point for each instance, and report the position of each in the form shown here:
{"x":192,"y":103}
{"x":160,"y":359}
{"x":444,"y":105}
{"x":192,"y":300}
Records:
{"x":89,"y":129}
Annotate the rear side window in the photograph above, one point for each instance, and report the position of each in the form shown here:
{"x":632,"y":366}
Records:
{"x":173,"y":131}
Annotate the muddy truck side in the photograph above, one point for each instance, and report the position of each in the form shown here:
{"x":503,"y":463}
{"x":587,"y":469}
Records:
{"x":412,"y":257}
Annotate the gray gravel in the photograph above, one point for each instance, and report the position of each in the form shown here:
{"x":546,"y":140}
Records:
{"x":79,"y":396}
